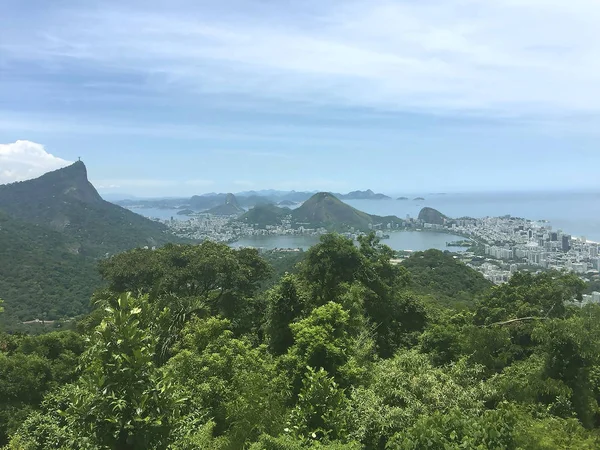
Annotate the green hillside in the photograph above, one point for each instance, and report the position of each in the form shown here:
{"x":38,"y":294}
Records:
{"x":263,"y":215}
{"x":65,"y":201}
{"x":53,"y":231}
{"x":326,"y":210}
{"x":42,"y":273}
{"x":439,"y":274}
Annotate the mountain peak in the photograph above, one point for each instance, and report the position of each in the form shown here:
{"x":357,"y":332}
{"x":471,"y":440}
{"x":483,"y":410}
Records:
{"x":433,"y":216}
{"x":325,"y":209}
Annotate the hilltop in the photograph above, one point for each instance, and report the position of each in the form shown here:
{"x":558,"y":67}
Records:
{"x":430,"y":215}
{"x":326,"y":210}
{"x":65,"y":201}
{"x":229,"y":208}
{"x":263,"y":215}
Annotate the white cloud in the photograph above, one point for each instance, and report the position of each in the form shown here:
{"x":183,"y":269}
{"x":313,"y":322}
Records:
{"x":516,"y":57}
{"x":23,"y":160}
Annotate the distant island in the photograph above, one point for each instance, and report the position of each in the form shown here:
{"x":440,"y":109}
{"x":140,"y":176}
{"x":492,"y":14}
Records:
{"x":185,"y":212}
{"x":402,"y":198}
{"x":418,"y":199}
{"x":363,"y":195}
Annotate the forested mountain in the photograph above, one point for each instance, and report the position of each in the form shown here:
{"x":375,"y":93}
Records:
{"x":326,"y":210}
{"x":42,"y":273}
{"x":53,"y":230}
{"x":64,"y":200}
{"x":194,"y":347}
{"x":263,"y":215}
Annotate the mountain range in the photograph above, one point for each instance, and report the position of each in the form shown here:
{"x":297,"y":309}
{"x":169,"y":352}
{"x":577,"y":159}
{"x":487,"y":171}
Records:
{"x":247,"y":199}
{"x":323,"y":209}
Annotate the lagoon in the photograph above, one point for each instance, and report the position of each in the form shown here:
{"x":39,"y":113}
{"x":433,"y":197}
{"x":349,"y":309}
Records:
{"x":399,"y":240}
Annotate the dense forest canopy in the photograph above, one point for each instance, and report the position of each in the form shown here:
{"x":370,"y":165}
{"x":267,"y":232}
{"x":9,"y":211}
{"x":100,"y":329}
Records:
{"x":209,"y":347}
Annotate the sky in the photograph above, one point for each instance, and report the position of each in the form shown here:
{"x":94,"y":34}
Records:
{"x":181,"y":97}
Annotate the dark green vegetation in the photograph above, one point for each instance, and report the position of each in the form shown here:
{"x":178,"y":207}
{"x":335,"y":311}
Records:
{"x":264,"y":215}
{"x":443,"y":278}
{"x":201,"y":347}
{"x":42,"y":274}
{"x":65,"y":201}
{"x":185,"y":212}
{"x":430,"y":215}
{"x":53,"y":230}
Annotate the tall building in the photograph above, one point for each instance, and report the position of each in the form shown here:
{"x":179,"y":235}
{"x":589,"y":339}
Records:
{"x":566,"y":243}
{"x":554,"y":236}
{"x":593,"y":252}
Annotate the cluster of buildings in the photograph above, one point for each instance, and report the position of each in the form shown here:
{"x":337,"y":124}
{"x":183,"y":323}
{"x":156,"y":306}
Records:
{"x":510,"y":244}
{"x":223,"y":229}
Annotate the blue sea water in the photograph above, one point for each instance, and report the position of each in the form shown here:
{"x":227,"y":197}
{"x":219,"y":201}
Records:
{"x":575,"y":213}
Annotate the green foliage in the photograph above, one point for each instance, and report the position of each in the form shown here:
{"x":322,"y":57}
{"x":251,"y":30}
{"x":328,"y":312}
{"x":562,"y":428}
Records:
{"x":122,"y":400}
{"x":320,"y":410}
{"x":227,"y":380}
{"x":285,"y":305}
{"x":210,"y":351}
{"x":45,"y":277}
{"x":528,"y":295}
{"x":30,"y":367}
{"x":406,"y":388}
{"x":445,"y":278}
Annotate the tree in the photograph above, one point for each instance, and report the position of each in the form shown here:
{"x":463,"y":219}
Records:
{"x":330,"y":264}
{"x":122,"y":400}
{"x":285,"y":305}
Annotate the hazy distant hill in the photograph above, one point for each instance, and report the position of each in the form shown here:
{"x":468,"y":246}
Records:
{"x":65,"y":201}
{"x":263,"y":215}
{"x":364,"y":195}
{"x":206,"y":201}
{"x":229,"y":208}
{"x":253,"y":200}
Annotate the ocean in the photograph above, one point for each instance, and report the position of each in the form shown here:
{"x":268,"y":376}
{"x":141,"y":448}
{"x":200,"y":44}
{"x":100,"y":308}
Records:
{"x":576,"y":213}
